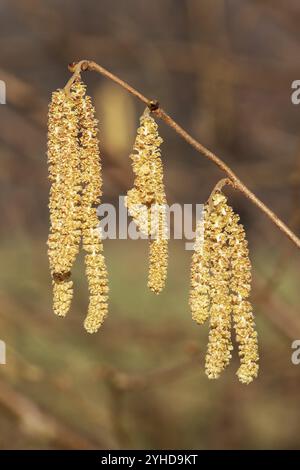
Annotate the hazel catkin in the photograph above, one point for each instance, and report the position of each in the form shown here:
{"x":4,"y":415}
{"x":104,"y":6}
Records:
{"x":220,"y":289}
{"x":243,"y":318}
{"x":76,"y":188}
{"x":91,"y":197}
{"x":219,"y":343}
{"x":64,"y":201}
{"x":199,"y":300}
{"x":146,"y":201}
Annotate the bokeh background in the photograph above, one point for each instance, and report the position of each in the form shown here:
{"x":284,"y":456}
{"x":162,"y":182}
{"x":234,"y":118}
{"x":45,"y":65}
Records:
{"x":223,"y":70}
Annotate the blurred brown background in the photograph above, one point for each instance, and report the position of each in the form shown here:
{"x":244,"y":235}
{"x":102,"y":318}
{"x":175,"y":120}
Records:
{"x":223,"y":70}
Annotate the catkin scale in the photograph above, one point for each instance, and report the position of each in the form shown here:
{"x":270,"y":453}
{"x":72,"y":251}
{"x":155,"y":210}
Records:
{"x":146,"y":201}
{"x":220,"y":289}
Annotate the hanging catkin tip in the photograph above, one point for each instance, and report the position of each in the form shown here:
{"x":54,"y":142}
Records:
{"x":62,"y":297}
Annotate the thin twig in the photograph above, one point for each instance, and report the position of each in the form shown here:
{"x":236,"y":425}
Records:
{"x":155,"y":108}
{"x":76,"y":68}
{"x":218,"y":187}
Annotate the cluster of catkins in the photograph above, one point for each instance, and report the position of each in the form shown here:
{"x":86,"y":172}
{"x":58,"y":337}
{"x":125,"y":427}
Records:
{"x":220,"y":288}
{"x":76,"y":188}
{"x":146,"y":201}
{"x":220,"y":271}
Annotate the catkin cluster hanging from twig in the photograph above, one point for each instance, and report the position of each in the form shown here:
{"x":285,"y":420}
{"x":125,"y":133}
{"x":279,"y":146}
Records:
{"x":220,"y":288}
{"x":75,"y":174}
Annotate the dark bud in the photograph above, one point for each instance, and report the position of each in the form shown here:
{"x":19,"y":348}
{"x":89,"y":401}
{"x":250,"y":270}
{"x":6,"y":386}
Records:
{"x":72,"y":66}
{"x":153,"y":105}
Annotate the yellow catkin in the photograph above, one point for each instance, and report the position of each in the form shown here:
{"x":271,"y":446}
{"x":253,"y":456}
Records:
{"x":243,"y":318}
{"x":147,"y":194}
{"x":64,"y":202}
{"x":219,"y":344}
{"x":200,"y":274}
{"x":220,"y":288}
{"x":91,"y":193}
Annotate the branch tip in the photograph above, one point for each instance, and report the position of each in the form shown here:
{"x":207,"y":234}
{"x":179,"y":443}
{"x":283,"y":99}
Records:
{"x":71,"y":66}
{"x":84,"y":65}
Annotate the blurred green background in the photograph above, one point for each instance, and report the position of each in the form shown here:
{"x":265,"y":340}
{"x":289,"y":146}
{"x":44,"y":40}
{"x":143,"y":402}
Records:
{"x":223,"y":70}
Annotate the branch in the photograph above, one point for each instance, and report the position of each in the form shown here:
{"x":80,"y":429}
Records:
{"x":153,"y":105}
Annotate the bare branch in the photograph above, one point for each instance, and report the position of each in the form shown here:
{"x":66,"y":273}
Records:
{"x":155,"y":108}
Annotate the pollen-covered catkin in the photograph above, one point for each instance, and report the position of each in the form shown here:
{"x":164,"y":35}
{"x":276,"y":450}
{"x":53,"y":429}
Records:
{"x":64,"y":202}
{"x":243,"y":318}
{"x":91,"y":193}
{"x":147,"y":194}
{"x":75,"y":173}
{"x":220,"y":288}
{"x":200,"y":273}
{"x":219,"y":343}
